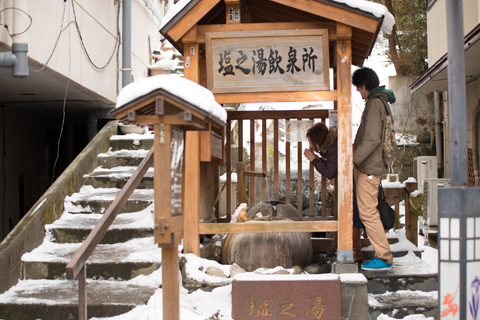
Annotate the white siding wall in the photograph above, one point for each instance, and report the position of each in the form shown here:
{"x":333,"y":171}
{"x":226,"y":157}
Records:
{"x":437,"y":26}
{"x":97,"y":22}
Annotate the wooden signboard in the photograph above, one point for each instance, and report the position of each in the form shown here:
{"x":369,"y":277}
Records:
{"x":267,"y":61}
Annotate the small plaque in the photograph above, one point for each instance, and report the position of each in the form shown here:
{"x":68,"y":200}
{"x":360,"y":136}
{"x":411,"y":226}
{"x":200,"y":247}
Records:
{"x":287,"y":299}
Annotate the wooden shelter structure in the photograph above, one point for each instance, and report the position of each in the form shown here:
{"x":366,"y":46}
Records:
{"x":220,"y":37}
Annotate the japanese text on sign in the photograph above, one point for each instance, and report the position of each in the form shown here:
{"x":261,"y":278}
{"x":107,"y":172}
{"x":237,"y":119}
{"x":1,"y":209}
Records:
{"x":312,"y":308}
{"x":267,"y":62}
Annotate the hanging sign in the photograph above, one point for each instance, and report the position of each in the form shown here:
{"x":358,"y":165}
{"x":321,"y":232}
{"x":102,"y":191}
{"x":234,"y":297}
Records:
{"x":176,"y":169}
{"x":267,"y":61}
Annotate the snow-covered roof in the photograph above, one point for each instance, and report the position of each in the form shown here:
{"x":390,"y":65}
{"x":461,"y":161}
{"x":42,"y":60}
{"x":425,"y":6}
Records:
{"x":377,"y":9}
{"x":185,"y":89}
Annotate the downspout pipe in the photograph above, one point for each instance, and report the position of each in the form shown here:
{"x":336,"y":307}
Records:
{"x":438,"y":129}
{"x":127,"y":43}
{"x":17,"y":59}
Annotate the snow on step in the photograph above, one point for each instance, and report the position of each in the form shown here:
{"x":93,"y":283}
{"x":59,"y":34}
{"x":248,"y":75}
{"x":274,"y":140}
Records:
{"x":121,"y":158}
{"x":401,"y":303}
{"x":131,"y":141}
{"x":118,"y":261}
{"x":116,"y":177}
{"x":97,"y":200}
{"x":408,"y":273}
{"x":58,"y":299}
{"x":126,"y":226}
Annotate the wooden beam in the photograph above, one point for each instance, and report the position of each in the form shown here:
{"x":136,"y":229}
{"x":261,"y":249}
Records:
{"x":345,"y":157}
{"x":334,"y":13}
{"x":268,"y":227}
{"x":190,"y":19}
{"x":177,"y":120}
{"x":276,"y":114}
{"x":190,"y":36}
{"x":203,"y":29}
{"x":258,"y":97}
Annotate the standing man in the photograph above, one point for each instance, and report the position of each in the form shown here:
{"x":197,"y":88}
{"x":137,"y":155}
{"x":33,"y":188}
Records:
{"x":369,"y":165}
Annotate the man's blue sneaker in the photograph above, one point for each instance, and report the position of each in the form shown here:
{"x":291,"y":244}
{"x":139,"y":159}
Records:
{"x":376,"y":265}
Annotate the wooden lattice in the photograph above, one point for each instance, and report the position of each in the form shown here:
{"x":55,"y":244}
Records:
{"x":471,"y":177}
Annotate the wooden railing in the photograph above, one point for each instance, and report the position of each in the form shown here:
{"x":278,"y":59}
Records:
{"x":255,"y":173}
{"x":76,"y":267}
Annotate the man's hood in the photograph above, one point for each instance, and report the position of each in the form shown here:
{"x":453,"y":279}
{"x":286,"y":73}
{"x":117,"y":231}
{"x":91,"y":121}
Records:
{"x":381,"y":89}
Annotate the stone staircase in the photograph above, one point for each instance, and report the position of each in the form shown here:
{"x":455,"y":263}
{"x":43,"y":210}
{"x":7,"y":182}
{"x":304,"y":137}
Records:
{"x":411,"y":287}
{"x":126,"y":251}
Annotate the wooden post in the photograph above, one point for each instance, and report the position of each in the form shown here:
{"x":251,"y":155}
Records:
{"x":345,"y":157}
{"x":228,"y":181}
{"x":191,"y":242}
{"x":242,"y":183}
{"x":170,"y":284}
{"x":82,"y":294}
{"x":165,"y":233}
{"x":264,"y":160}
{"x":411,"y":219}
{"x":287,"y":171}
{"x":275,"y":160}
{"x":311,"y":188}
{"x":192,"y":154}
{"x":252,"y":162}
{"x":299,"y":179}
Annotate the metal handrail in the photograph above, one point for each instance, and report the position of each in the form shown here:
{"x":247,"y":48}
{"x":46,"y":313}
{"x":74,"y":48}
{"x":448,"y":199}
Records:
{"x":76,"y":267}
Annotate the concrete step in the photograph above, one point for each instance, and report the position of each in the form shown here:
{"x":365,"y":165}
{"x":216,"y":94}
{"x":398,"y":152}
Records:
{"x":405,"y":275}
{"x":121,"y":261}
{"x":402,"y":303}
{"x":58,"y":299}
{"x":97,"y":200}
{"x":74,"y":228}
{"x":116,"y":177}
{"x":119,"y":158}
{"x":131,"y":141}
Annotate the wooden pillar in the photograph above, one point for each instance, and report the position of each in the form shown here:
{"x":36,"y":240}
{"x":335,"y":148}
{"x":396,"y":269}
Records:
{"x":191,"y":242}
{"x":165,"y":231}
{"x":345,"y":156}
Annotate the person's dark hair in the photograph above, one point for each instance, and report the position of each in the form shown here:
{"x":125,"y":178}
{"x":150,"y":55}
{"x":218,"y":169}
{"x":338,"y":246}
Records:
{"x":317,"y":134}
{"x":367,"y":77}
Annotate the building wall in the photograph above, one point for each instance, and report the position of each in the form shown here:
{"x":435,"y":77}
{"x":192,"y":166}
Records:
{"x":437,"y":26}
{"x":97,"y":21}
{"x":408,"y":108}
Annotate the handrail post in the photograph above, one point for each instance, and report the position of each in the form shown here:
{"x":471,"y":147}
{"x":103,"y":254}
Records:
{"x":82,"y":294}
